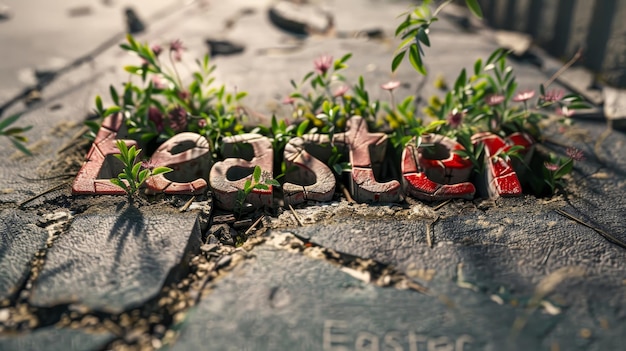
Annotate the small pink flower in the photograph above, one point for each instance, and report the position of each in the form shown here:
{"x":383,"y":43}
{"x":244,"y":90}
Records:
{"x":455,"y":119}
{"x":157,"y":49}
{"x":564,"y":111}
{"x":341,"y":91}
{"x":288,"y":100}
{"x":178,"y":119}
{"x":157,"y":83}
{"x":494,"y":99}
{"x":155,"y":115}
{"x":390,"y":85}
{"x":202,"y":123}
{"x":149,"y":164}
{"x":575,"y":154}
{"x":183,"y":95}
{"x":177,"y":48}
{"x":323,"y":63}
{"x":551,"y":166}
{"x":524,"y":95}
{"x":554,"y":95}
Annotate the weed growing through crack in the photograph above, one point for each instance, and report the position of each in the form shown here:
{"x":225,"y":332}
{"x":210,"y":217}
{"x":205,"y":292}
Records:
{"x":15,"y":134}
{"x":133,"y":176}
{"x":255,"y":182}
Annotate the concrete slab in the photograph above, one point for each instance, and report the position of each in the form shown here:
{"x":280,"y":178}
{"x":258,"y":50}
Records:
{"x":113,"y":261}
{"x":21,"y":238}
{"x":286,"y":301}
{"x":55,"y":339}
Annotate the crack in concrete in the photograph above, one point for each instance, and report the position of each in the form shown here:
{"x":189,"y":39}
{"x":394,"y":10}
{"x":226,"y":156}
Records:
{"x":367,"y":270}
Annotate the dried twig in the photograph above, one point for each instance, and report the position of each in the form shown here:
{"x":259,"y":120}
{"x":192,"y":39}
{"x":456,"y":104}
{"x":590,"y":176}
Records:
{"x":565,"y":67}
{"x":604,"y":234}
{"x":253,"y":226}
{"x":295,"y":215}
{"x":54,"y":188}
{"x":441,"y":205}
{"x":187,"y":204}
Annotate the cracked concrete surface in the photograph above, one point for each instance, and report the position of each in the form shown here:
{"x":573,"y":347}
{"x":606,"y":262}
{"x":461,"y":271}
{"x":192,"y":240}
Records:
{"x":463,"y":275}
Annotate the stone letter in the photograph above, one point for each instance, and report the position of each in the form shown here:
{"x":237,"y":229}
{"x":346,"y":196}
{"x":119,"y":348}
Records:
{"x":499,"y":177}
{"x":311,"y":179}
{"x":99,"y":166}
{"x":335,"y":333}
{"x":434,"y":171}
{"x":363,"y":185}
{"x":189,"y":156}
{"x":366,"y":341}
{"x":229,"y":176}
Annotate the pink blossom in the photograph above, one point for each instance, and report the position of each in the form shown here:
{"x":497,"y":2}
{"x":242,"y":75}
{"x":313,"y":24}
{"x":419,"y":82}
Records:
{"x":288,"y":100}
{"x":157,"y":83}
{"x":155,"y":115}
{"x":323,"y":63}
{"x":177,"y":48}
{"x":554,"y":95}
{"x":202,"y":123}
{"x":575,"y":154}
{"x":551,"y":166}
{"x":341,"y":91}
{"x":494,"y":99}
{"x":390,"y":85}
{"x":178,"y":119}
{"x":455,"y":119}
{"x":564,"y":111}
{"x":157,"y":49}
{"x":149,"y":164}
{"x":524,"y":95}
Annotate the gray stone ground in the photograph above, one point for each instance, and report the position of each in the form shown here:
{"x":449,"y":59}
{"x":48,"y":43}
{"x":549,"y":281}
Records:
{"x":88,"y":273}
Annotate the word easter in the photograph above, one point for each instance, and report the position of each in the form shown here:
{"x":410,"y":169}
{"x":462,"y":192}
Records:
{"x":429,"y":171}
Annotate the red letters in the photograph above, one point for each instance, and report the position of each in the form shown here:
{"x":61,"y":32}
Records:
{"x":434,"y":171}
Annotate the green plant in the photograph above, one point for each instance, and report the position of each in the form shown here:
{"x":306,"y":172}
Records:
{"x":556,"y":167}
{"x":414,"y":32}
{"x":132,"y":176}
{"x":255,"y":182}
{"x":15,"y":133}
{"x":161,"y":105}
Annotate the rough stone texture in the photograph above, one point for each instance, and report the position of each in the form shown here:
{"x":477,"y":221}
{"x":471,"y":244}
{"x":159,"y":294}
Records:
{"x":20,"y":240}
{"x":189,"y":156}
{"x":312,"y":179}
{"x":367,"y":151}
{"x":243,"y":153}
{"x":113,"y":261}
{"x":54,"y":339}
{"x":286,"y":301}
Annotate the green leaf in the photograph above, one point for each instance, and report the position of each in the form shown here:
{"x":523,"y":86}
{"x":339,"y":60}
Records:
{"x":9,"y":120}
{"x":120,"y":183}
{"x":256,"y":175}
{"x":161,"y":170}
{"x":474,"y":6}
{"x":423,"y":36}
{"x":99,"y":104}
{"x":143,"y":175}
{"x":416,"y":59}
{"x":132,"y":69}
{"x":135,"y":171}
{"x":302,"y":127}
{"x":261,"y":186}
{"x":247,"y":186}
{"x":402,"y":26}
{"x":111,"y":110}
{"x":272,"y":182}
{"x":478,"y":65}
{"x":566,"y":168}
{"x":20,"y":147}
